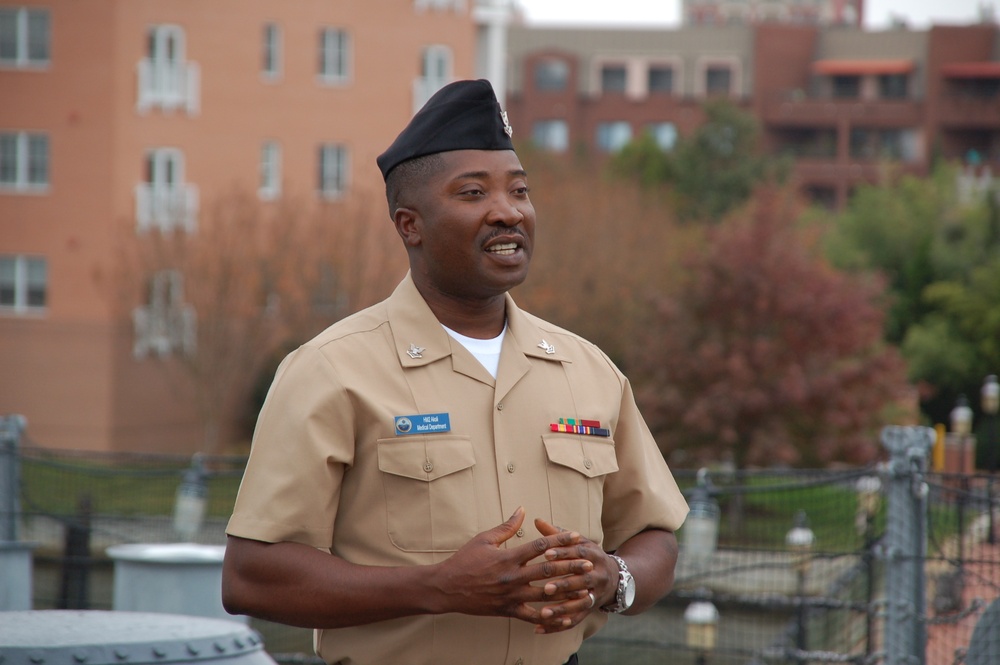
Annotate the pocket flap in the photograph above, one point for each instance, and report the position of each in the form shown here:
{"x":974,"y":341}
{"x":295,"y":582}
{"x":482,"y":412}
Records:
{"x":425,"y":457}
{"x":589,"y":456}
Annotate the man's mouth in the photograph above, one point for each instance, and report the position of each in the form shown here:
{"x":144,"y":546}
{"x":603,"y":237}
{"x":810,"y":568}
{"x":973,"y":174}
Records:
{"x":503,"y":248}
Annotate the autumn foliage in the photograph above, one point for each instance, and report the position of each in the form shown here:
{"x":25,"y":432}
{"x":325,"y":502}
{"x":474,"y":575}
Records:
{"x":765,"y":354}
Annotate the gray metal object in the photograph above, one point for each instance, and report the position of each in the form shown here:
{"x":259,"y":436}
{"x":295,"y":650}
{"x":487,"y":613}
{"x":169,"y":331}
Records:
{"x":88,"y":637}
{"x":984,"y":648}
{"x":174,"y":578}
{"x":905,"y":544}
{"x":11,"y":428}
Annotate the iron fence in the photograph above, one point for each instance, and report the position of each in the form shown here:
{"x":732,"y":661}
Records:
{"x":779,"y":600}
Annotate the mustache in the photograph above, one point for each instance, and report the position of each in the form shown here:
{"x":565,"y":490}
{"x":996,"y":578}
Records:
{"x":513,"y":231}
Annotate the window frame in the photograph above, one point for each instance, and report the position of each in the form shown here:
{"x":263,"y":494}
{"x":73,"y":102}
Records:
{"x":606,"y":140}
{"x":337,"y":156}
{"x":542,"y":134}
{"x":21,"y":285}
{"x":270,"y":170}
{"x":271,"y":51}
{"x":542,"y":77}
{"x":27,"y":159}
{"x":23,"y":41}
{"x":334,"y":71}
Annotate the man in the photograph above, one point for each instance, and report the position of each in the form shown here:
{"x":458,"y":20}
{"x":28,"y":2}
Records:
{"x":441,"y":477}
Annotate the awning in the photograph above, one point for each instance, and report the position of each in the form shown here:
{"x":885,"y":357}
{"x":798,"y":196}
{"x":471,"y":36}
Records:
{"x":861,"y":67}
{"x":971,"y":70}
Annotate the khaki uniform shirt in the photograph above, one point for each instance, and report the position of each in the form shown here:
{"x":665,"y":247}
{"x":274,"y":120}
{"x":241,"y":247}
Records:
{"x":331,"y":468}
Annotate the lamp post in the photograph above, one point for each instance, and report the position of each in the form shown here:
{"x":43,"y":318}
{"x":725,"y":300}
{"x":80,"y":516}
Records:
{"x":869,"y":489}
{"x":701,"y":620}
{"x":961,"y":427}
{"x":191,"y":500}
{"x":700,"y":533}
{"x":990,"y":395}
{"x":799,"y":540}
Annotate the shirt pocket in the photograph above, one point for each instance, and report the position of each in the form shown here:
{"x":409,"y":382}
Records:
{"x":430,"y":495}
{"x":576,"y":471}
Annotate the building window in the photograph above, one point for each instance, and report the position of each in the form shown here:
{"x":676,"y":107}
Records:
{"x":551,"y":75}
{"x":24,"y":161}
{"x":164,"y":324}
{"x":271,"y":63}
{"x":24,"y":37}
{"x":660,"y":80}
{"x":613,"y":78}
{"x":334,"y":55}
{"x":551,"y":135}
{"x":845,"y":87}
{"x":332,"y":170}
{"x":270,"y":170}
{"x":163,"y":199}
{"x":613,"y":136}
{"x":893,"y":144}
{"x":893,"y":86}
{"x":23,"y":283}
{"x":718,"y":80}
{"x":166,"y":79}
{"x":435,"y":73}
{"x":664,"y":133}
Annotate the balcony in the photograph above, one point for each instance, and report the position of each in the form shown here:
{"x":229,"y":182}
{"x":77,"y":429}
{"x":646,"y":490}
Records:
{"x":808,"y":170}
{"x":166,"y":208}
{"x":968,"y":112}
{"x":169,"y":86}
{"x":160,"y":330}
{"x":791,"y":110}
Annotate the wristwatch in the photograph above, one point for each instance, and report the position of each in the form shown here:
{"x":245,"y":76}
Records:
{"x":625,"y":595}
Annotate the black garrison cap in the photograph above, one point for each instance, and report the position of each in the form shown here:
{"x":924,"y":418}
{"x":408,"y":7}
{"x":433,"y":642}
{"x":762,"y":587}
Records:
{"x":464,"y":115}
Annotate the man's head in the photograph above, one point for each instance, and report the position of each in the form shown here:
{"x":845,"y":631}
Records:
{"x":458,"y":196}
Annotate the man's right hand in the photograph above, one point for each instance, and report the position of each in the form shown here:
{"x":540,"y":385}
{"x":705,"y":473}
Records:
{"x":483,"y":578}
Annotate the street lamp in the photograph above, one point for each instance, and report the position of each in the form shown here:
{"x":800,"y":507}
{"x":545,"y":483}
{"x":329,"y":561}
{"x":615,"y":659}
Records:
{"x":700,"y":533}
{"x":869,"y":489}
{"x":991,"y":404}
{"x":800,"y":539}
{"x":961,"y":427}
{"x":701,"y":619}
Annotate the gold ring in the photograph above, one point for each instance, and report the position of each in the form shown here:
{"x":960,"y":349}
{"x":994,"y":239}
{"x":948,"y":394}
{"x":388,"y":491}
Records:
{"x":593,"y":600}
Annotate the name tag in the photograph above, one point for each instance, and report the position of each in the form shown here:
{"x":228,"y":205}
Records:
{"x":426,"y":423}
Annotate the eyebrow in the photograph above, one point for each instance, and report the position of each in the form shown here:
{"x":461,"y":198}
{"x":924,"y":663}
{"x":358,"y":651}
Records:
{"x":485,"y":174}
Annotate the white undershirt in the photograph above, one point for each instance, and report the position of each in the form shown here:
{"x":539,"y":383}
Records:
{"x":486,"y":351}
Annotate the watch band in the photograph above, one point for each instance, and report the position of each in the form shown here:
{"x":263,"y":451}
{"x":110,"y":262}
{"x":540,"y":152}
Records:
{"x":624,"y":579}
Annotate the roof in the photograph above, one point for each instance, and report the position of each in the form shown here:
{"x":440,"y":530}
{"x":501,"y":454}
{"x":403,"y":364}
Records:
{"x":971,"y":70}
{"x":861,"y":67}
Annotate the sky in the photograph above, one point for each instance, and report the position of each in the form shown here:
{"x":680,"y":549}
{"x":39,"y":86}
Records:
{"x":918,"y":13}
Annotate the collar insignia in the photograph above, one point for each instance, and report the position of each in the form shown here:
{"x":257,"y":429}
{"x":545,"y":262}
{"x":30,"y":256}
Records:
{"x":506,"y":124}
{"x":548,"y":348}
{"x":415,"y":351}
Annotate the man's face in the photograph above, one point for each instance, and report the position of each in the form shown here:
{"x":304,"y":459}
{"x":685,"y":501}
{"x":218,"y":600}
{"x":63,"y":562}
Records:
{"x":473,"y":226}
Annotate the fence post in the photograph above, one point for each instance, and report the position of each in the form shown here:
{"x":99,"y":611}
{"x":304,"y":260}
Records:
{"x":905,"y":546}
{"x":11,"y":428}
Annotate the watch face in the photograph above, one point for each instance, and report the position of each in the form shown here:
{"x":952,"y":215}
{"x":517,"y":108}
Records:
{"x":629,"y":592}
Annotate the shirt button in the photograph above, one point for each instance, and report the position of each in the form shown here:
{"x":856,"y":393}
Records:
{"x":510,"y":468}
{"x":520,"y":533}
{"x":587,"y":463}
{"x":500,"y":406}
{"x":428,"y":466}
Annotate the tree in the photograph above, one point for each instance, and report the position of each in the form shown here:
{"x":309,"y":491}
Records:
{"x":709,"y":172}
{"x":938,"y":255}
{"x":766,"y":353}
{"x":602,"y":246}
{"x":253,"y":278}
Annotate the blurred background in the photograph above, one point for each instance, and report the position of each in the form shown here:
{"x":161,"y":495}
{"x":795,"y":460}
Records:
{"x":781,"y":218}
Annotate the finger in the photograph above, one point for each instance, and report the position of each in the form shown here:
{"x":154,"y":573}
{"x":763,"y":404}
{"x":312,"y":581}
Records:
{"x":545,"y":528}
{"x":504,"y":532}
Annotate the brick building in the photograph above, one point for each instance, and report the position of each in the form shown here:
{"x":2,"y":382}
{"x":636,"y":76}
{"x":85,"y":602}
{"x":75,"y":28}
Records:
{"x":847,"y":104}
{"x":139,"y":114}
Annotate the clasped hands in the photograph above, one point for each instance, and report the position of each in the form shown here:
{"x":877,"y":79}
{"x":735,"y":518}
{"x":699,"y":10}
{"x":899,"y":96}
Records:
{"x":554,"y":581}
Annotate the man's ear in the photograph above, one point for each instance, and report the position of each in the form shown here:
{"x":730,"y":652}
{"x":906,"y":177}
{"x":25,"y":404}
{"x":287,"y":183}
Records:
{"x":407,"y":222}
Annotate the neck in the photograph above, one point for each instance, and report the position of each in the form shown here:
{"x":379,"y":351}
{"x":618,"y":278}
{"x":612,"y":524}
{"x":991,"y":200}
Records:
{"x":479,"y":319}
